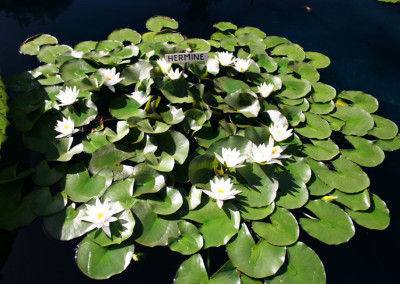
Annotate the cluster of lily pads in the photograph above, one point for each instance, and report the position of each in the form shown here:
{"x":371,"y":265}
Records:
{"x":240,"y":151}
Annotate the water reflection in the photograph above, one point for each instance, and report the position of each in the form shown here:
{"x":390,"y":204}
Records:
{"x":27,"y":11}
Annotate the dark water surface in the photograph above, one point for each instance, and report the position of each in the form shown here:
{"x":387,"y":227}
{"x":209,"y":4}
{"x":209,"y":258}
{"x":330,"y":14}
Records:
{"x":362,"y":38}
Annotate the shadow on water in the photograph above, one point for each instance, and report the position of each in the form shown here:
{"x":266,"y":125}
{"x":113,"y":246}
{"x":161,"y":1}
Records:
{"x":25,"y":11}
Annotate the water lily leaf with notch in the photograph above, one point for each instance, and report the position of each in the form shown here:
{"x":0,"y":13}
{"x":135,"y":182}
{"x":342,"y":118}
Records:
{"x":81,"y":114}
{"x":32,"y":45}
{"x":316,"y":186}
{"x":267,"y":62}
{"x":298,"y":167}
{"x":22,"y":82}
{"x":42,"y":135}
{"x":121,"y":191}
{"x":291,"y":50}
{"x":49,"y":53}
{"x":156,"y":23}
{"x":175,"y":144}
{"x":189,"y":241}
{"x":136,"y":72}
{"x":168,"y":201}
{"x":124,"y":107}
{"x":176,"y":91}
{"x":375,"y":218}
{"x":360,"y":100}
{"x":76,"y":68}
{"x":244,"y":279}
{"x":245,"y":102}
{"x":194,"y":119}
{"x":45,"y":204}
{"x":164,"y":163}
{"x":223,"y":26}
{"x":96,"y":141}
{"x":228,"y":43}
{"x":86,"y":46}
{"x":166,"y":36}
{"x":229,"y":85}
{"x":255,"y":213}
{"x":146,"y":127}
{"x":246,"y":39}
{"x":9,"y":174}
{"x":358,"y":121}
{"x":303,"y":266}
{"x":294,"y":114}
{"x":152,"y":230}
{"x":334,"y":123}
{"x":122,"y":131}
{"x":332,"y":226}
{"x":322,"y":108}
{"x":250,"y":30}
{"x":67,"y":224}
{"x":219,"y":225}
{"x":355,"y":201}
{"x":44,"y":176}
{"x":195,"y":44}
{"x":257,"y":135}
{"x":366,"y":153}
{"x":321,"y":150}
{"x":272,"y":41}
{"x":121,"y":230}
{"x":322,"y":93}
{"x":99,"y":262}
{"x":305,"y":70}
{"x":201,"y":170}
{"x":283,"y":229}
{"x":294,"y":88}
{"x":348,"y":177}
{"x":62,"y":150}
{"x":318,"y":60}
{"x":173,"y":116}
{"x":80,"y":187}
{"x":314,"y":127}
{"x":256,"y":260}
{"x":147,"y":180}
{"x":292,"y":192}
{"x":384,"y":128}
{"x":389,"y":145}
{"x":125,"y":35}
{"x":261,"y":187}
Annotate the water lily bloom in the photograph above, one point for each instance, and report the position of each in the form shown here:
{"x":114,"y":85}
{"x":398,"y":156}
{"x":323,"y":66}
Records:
{"x":241,"y":65}
{"x":101,"y":215}
{"x":66,"y":127}
{"x":213,"y":66}
{"x":164,"y":65}
{"x":173,"y":75}
{"x":231,"y":158}
{"x":110,"y":77}
{"x":268,"y":154}
{"x":265,"y":89}
{"x":221,"y":190}
{"x":225,"y":58}
{"x":280,"y":132}
{"x":68,"y":97}
{"x":77,"y":54}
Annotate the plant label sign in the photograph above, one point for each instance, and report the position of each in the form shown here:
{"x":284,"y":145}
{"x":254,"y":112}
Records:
{"x":186,"y":57}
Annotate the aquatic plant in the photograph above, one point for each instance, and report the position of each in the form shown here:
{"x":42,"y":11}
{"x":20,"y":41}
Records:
{"x":239,"y":151}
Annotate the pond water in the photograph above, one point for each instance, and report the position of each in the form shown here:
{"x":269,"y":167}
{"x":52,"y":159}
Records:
{"x":362,"y":39}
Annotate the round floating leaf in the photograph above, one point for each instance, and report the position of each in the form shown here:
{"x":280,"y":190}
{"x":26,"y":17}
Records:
{"x":250,"y":30}
{"x":360,"y":100}
{"x":255,"y":213}
{"x":192,"y":271}
{"x":156,"y":23}
{"x":244,"y":279}
{"x":358,"y":121}
{"x":223,"y":26}
{"x":76,"y":68}
{"x":303,"y":266}
{"x":195,"y":44}
{"x":189,"y":241}
{"x":81,"y":114}
{"x":332,"y":226}
{"x":219,"y":225}
{"x":318,"y":60}
{"x":375,"y":218}
{"x":152,"y":229}
{"x":44,"y":176}
{"x":176,"y":91}
{"x":291,"y":50}
{"x":316,"y":186}
{"x":147,"y":180}
{"x":314,"y":127}
{"x":272,"y":41}
{"x":227,"y":274}
{"x":389,"y":145}
{"x":244,"y":102}
{"x":321,"y":150}
{"x":384,"y":128}
{"x":366,"y":153}
{"x":32,"y":45}
{"x":201,"y":170}
{"x":348,"y":177}
{"x":124,"y":107}
{"x":322,"y":93}
{"x":256,"y":260}
{"x":298,"y":167}
{"x":283,"y":229}
{"x":125,"y":35}
{"x":241,"y":144}
{"x":86,"y":46}
{"x":158,"y":127}
{"x":80,"y":187}
{"x":99,"y":262}
{"x":322,"y":108}
{"x":305,"y":70}
{"x":136,"y":72}
{"x":292,"y":192}
{"x":175,"y":144}
{"x":45,"y":204}
{"x":49,"y":53}
{"x":121,"y":191}
{"x":294,"y":88}
{"x":355,"y":201}
{"x":171,"y":200}
{"x":229,"y":85}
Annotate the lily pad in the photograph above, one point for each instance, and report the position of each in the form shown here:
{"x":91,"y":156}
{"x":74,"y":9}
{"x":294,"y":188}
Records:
{"x":322,"y":93}
{"x":294,"y":88}
{"x":45,"y":204}
{"x":49,"y":53}
{"x":244,"y":102}
{"x":384,"y":128}
{"x":171,"y":200}
{"x":121,"y":191}
{"x":366,"y":153}
{"x":292,"y":192}
{"x":229,"y":85}
{"x":314,"y":127}
{"x":321,"y":150}
{"x":318,"y":60}
{"x":223,"y":26}
{"x":156,"y":23}
{"x":125,"y":35}
{"x":358,"y":121}
{"x":147,"y":180}
{"x":255,"y":213}
{"x":354,"y":201}
{"x":305,"y":70}
{"x":291,"y":50}
{"x":389,"y":145}
{"x":360,"y":100}
{"x":189,"y":241}
{"x":195,"y":44}
{"x":44,"y":176}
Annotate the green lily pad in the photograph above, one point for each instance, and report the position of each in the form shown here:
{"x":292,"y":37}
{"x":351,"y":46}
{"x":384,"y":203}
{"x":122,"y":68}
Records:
{"x":322,"y":108}
{"x":244,"y":102}
{"x":358,"y":121}
{"x":256,"y":260}
{"x":318,"y":60}
{"x":389,"y":145}
{"x":62,"y":150}
{"x":201,"y":170}
{"x":360,"y":100}
{"x":125,"y":35}
{"x":291,"y":50}
{"x":375,"y":218}
{"x":316,"y":186}
{"x":272,"y":41}
{"x":366,"y":153}
{"x":298,"y":167}
{"x":255,"y":213}
{"x":384,"y":128}
{"x":348,"y":177}
{"x":332,"y":225}
{"x":152,"y":230}
{"x":147,"y":180}
{"x":123,"y":107}
{"x":314,"y":127}
{"x":176,"y":91}
{"x":121,"y":191}
{"x":76,"y":68}
{"x":175,"y":144}
{"x":189,"y":241}
{"x":305,"y":70}
{"x":219,"y":225}
{"x":355,"y":201}
{"x":156,"y":23}
{"x":229,"y":85}
{"x":223,"y":26}
{"x":303,"y":266}
{"x":195,"y":44}
{"x":86,"y":46}
{"x":322,"y":93}
{"x":99,"y":262}
{"x":169,"y":202}
{"x":136,"y":72}
{"x":45,"y":204}
{"x":321,"y":150}
{"x":81,"y":114}
{"x":49,"y":53}
{"x":294,"y":88}
{"x":292,"y":192}
{"x":32,"y":45}
{"x":283,"y":229}
{"x":250,"y":30}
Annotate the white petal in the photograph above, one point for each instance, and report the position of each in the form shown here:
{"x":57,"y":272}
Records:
{"x":106,"y":230}
{"x":220,"y":203}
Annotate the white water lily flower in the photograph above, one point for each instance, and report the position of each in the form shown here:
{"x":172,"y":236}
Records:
{"x":280,"y":132}
{"x":101,"y":215}
{"x":110,"y":77}
{"x":77,"y":54}
{"x":221,"y":190}
{"x":66,"y":127}
{"x":225,"y":58}
{"x":213,"y":66}
{"x":268,"y":154}
{"x":164,"y":65}
{"x":265,"y":89}
{"x":241,"y":65}
{"x":231,"y":158}
{"x":68,"y":97}
{"x":173,"y":75}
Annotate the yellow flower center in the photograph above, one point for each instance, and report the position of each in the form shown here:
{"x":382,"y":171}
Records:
{"x":109,"y":78}
{"x":66,"y":126}
{"x":274,"y":150}
{"x":220,"y":190}
{"x":100,"y":215}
